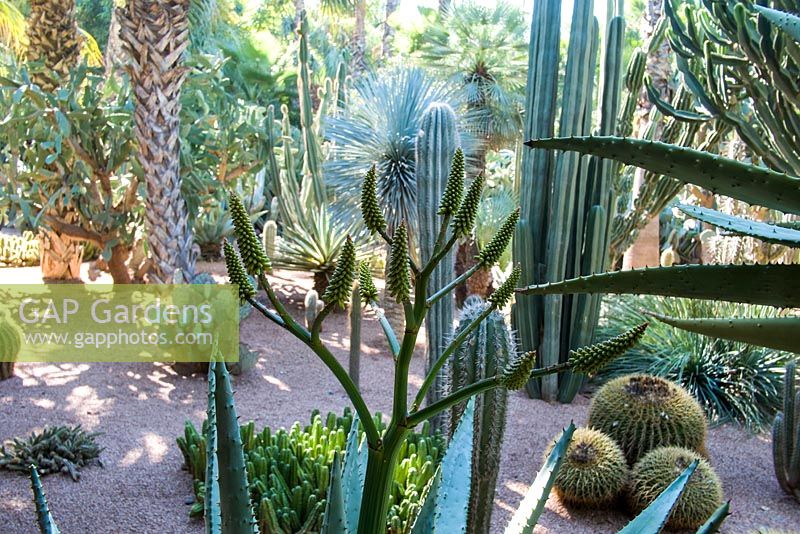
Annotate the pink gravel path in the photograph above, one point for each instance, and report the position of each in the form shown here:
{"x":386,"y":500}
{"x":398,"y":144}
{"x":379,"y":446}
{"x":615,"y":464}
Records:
{"x":141,"y":408}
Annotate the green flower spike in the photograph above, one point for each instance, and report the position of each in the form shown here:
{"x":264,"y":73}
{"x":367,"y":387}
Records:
{"x":516,"y":373}
{"x":369,"y":293}
{"x":254,"y":258}
{"x":492,"y":252}
{"x":464,"y":220}
{"x":341,"y":284}
{"x":589,"y":360}
{"x":502,"y":295}
{"x":370,"y":209}
{"x":236,"y":273}
{"x":398,"y":276}
{"x":454,"y":190}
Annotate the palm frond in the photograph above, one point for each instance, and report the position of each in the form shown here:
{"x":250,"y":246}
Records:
{"x":12,"y":27}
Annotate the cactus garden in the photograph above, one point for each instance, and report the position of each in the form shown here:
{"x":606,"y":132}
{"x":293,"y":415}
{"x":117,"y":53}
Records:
{"x":384,"y":267}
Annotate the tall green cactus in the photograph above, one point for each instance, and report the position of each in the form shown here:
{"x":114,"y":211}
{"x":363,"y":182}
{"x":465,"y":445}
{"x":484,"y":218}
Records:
{"x":566,"y":199}
{"x":786,"y":436}
{"x":354,"y":367}
{"x":437,"y":142}
{"x":483,"y":354}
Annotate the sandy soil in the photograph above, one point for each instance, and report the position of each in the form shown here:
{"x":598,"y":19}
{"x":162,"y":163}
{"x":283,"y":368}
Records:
{"x":141,"y":408}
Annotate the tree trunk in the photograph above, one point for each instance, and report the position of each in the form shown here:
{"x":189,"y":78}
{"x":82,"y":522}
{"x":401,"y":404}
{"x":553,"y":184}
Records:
{"x":388,"y":31}
{"x":646,"y":250}
{"x":61,"y":257}
{"x":155,"y":34}
{"x":118,"y":264}
{"x":359,"y":41}
{"x":115,"y":56}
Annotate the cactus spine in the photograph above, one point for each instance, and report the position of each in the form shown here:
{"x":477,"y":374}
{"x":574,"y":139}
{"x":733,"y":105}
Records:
{"x":483,"y":354}
{"x":436,"y":145}
{"x":563,"y":228}
{"x":10,"y":343}
{"x":786,"y":436}
{"x":355,"y":335}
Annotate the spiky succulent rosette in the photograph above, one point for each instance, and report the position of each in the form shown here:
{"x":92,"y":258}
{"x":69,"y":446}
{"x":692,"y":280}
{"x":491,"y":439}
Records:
{"x":369,"y":293}
{"x":589,"y":360}
{"x":491,"y":253}
{"x":502,"y":295}
{"x":454,"y":190}
{"x":370,"y":208}
{"x":516,"y":373}
{"x":464,"y":219}
{"x":398,"y":275}
{"x":236,"y":273}
{"x":341,"y":283}
{"x":254,"y":258}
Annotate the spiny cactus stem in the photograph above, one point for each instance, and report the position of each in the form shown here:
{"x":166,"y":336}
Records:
{"x":420,"y":416}
{"x":266,"y":312}
{"x":451,"y":348}
{"x":330,"y":361}
{"x":452,"y":285}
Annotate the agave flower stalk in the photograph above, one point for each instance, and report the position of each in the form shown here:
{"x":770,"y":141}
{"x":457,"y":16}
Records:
{"x":409,"y":285}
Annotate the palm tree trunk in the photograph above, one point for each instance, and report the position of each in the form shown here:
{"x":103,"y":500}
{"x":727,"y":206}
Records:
{"x":54,"y":42}
{"x":115,"y":54}
{"x":388,"y":31}
{"x":156,"y":34}
{"x":359,"y":42}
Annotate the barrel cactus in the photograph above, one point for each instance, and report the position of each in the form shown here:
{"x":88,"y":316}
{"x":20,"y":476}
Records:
{"x":483,"y":354}
{"x":658,"y":468}
{"x":594,"y":471}
{"x":10,"y":344}
{"x":643,"y":412}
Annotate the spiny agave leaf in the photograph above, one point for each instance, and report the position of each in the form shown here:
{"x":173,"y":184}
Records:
{"x":653,"y":518}
{"x":589,"y":360}
{"x":671,"y":111}
{"x":236,"y":274}
{"x":452,"y":499}
{"x":532,"y":506}
{"x":353,"y":474}
{"x":715,"y":521}
{"x":751,"y":184}
{"x":779,"y":333}
{"x":211,"y":500}
{"x":454,"y":190}
{"x":46,"y":523}
{"x":771,"y":285}
{"x":491,"y":253}
{"x":788,"y":22}
{"x":335,"y":518}
{"x":423,"y":523}
{"x":737,"y":225}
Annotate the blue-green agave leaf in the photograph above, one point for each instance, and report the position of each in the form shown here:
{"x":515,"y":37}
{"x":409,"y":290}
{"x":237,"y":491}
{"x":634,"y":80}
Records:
{"x":423,"y":523}
{"x":788,"y":22}
{"x":212,"y":514}
{"x":353,"y":474}
{"x":771,"y":285}
{"x":532,"y":506}
{"x":715,"y":521}
{"x":335,"y":521}
{"x":671,"y":111}
{"x":46,"y":523}
{"x":653,"y":518}
{"x":749,"y":183}
{"x":769,"y":233}
{"x":779,"y":333}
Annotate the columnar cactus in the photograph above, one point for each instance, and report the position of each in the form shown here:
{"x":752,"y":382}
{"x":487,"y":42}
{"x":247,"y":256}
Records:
{"x":355,"y":335}
{"x":312,"y":306}
{"x":269,"y":236}
{"x":564,"y":229}
{"x":786,"y":436}
{"x":484,"y":353}
{"x":440,"y":184}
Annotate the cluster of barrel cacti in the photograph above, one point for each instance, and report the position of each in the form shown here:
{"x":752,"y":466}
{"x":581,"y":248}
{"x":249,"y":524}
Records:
{"x":289,"y":471}
{"x":643,"y":431}
{"x":19,"y":250}
{"x":56,"y":449}
{"x":786,"y":436}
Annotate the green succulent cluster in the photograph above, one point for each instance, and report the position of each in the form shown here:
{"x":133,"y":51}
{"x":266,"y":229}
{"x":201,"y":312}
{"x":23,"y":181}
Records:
{"x":454,"y":190}
{"x":56,"y":449}
{"x":644,"y":412}
{"x":594,"y":471}
{"x":370,"y":207}
{"x":657,"y":469}
{"x":254,"y":258}
{"x":464,"y":219}
{"x":236,"y":274}
{"x":516,"y":373}
{"x":398,"y":275}
{"x":502,"y":295}
{"x":341,"y":283}
{"x":369,"y":293}
{"x":491,"y":253}
{"x":589,"y":360}
{"x":289,"y":471}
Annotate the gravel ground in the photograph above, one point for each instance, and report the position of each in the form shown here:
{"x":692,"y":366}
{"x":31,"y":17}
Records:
{"x":141,"y":408}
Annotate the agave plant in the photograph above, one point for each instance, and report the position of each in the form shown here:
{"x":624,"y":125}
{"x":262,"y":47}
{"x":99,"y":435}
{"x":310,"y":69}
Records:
{"x":380,"y":128}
